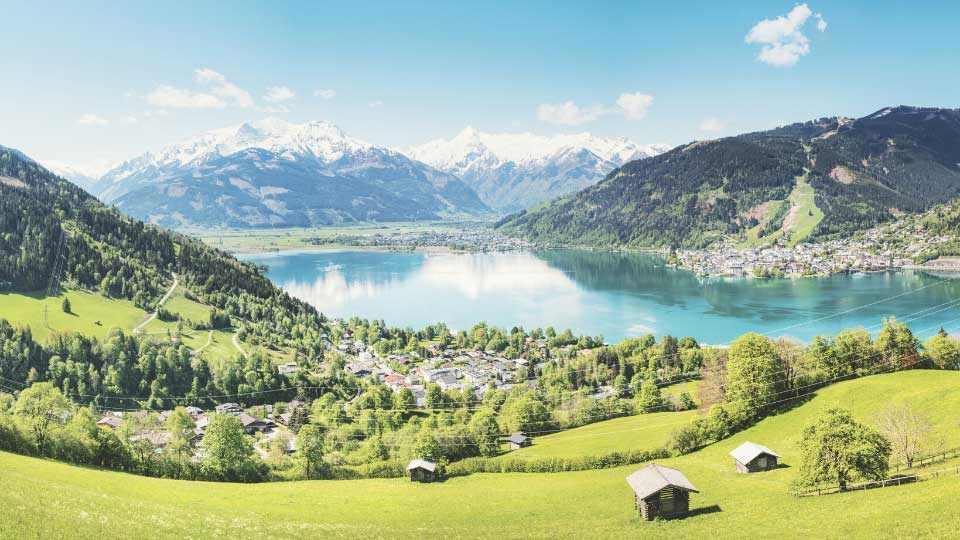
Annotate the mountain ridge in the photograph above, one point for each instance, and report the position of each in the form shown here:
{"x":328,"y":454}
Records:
{"x":512,"y":171}
{"x":862,"y":172}
{"x":274,"y":173}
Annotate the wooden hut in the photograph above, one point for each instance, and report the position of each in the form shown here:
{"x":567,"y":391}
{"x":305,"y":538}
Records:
{"x":518,"y":440}
{"x":661,"y":492}
{"x":421,"y":470}
{"x":751,"y":457}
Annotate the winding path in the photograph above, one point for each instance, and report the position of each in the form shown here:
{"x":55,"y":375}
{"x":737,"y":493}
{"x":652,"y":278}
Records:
{"x":153,"y":314}
{"x":236,"y":344}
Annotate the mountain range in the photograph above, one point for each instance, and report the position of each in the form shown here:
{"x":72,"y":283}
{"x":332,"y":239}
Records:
{"x":513,"y":171}
{"x":821,"y":179}
{"x":273,"y":173}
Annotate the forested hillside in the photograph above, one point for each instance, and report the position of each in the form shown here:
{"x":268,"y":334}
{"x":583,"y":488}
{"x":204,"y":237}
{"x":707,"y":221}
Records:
{"x":53,"y":233}
{"x":863,"y":172}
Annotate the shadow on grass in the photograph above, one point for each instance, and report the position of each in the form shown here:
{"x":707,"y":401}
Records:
{"x":712,"y":509}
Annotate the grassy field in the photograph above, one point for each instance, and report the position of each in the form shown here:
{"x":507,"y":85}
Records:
{"x":45,"y":499}
{"x":803,"y":217}
{"x":645,"y":431}
{"x":250,"y":240}
{"x":87,"y":308}
{"x":807,"y":215}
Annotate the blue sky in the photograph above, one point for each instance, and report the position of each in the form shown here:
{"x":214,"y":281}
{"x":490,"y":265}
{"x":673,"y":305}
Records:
{"x":91,"y":81}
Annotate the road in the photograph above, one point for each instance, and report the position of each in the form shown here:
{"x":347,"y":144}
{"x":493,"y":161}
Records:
{"x":153,"y":314}
{"x":236,"y":344}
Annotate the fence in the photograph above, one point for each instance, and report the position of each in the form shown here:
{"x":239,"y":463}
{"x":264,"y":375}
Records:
{"x":934,"y":458}
{"x":886,"y":482}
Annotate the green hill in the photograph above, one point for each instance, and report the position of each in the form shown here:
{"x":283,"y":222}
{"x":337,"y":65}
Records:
{"x":837,"y":176}
{"x":46,"y":499}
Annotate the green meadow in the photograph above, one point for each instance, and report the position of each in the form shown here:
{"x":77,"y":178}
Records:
{"x":87,"y":309}
{"x":46,"y":499}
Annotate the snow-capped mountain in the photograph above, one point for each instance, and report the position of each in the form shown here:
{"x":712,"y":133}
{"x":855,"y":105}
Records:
{"x":275,"y":173}
{"x":512,"y":171}
{"x":85,"y":175}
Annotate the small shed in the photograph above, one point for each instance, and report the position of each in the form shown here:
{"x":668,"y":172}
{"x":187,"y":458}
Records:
{"x":518,"y":440}
{"x":661,"y":492}
{"x":422,"y":470}
{"x":751,"y":457}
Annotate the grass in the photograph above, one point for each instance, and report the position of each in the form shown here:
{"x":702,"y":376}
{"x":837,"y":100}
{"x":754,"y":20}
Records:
{"x":45,"y":499}
{"x":87,"y":308}
{"x":644,"y":431}
{"x":803,"y":218}
{"x":808,"y":216}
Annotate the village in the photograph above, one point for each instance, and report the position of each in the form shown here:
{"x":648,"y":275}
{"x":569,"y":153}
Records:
{"x":476,"y":238}
{"x":889,"y":247}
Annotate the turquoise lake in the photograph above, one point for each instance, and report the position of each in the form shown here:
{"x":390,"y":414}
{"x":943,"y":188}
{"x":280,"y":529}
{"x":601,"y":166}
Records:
{"x":615,"y":295}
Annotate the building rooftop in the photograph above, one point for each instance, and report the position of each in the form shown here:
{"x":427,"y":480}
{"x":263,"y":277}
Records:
{"x":653,"y":478}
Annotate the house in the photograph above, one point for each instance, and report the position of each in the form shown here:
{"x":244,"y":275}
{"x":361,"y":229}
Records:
{"x":519,"y":440}
{"x":422,"y":470}
{"x":228,"y":408}
{"x":253,"y":424}
{"x":110,"y":421}
{"x":288,"y":369}
{"x":661,"y":492}
{"x":200,"y":425}
{"x":194,"y":412}
{"x":284,"y":418}
{"x":751,"y":457}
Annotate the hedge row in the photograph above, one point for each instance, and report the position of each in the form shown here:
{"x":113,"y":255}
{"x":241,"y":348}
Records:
{"x":554,"y":465}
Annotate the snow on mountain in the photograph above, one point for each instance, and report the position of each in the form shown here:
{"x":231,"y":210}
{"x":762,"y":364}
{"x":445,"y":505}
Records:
{"x":84,"y":175}
{"x":276,"y":173}
{"x":511,"y":171}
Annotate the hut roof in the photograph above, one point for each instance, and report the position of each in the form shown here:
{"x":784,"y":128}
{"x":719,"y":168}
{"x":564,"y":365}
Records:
{"x":748,"y":451}
{"x":517,"y":438}
{"x":653,"y":478}
{"x":422,"y":464}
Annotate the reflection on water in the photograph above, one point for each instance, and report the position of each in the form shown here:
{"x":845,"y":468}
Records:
{"x":615,"y":295}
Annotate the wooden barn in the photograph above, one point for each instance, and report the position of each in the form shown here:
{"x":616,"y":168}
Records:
{"x":422,"y":470}
{"x":518,"y":440}
{"x":751,"y":457}
{"x":661,"y":492}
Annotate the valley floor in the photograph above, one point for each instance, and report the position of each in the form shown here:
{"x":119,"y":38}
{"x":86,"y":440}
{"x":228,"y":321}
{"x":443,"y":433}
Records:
{"x":46,"y":499}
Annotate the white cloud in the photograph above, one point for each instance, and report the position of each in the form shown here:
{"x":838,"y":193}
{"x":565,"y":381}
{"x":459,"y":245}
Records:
{"x":221,"y":87}
{"x":634,"y":106}
{"x":90,"y":119}
{"x":276,"y":94}
{"x":821,"y":24}
{"x":569,"y":113}
{"x":130,"y":119}
{"x":375,"y":104}
{"x":782,"y":39}
{"x":711,"y":124}
{"x":180,"y":98}
{"x":325,"y":93}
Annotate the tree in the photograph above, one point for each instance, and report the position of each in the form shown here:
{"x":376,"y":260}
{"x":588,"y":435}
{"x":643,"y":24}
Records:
{"x":896,"y":345}
{"x":299,"y":417}
{"x":180,"y":426}
{"x":227,"y":450}
{"x":487,"y":432}
{"x":43,"y":408}
{"x":65,"y":305}
{"x":836,"y":449}
{"x":908,"y":431}
{"x":405,"y":401}
{"x":942,"y":350}
{"x":426,"y":446}
{"x":310,"y":450}
{"x":650,"y":399}
{"x":755,"y":374}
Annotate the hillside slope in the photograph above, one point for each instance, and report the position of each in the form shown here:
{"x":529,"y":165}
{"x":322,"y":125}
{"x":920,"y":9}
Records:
{"x":48,"y":499}
{"x":862,"y":172}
